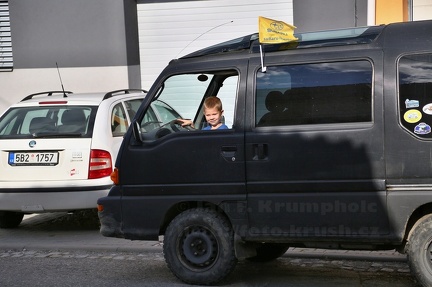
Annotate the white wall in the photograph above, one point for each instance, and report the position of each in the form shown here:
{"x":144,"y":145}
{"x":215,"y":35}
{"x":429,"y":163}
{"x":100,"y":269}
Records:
{"x":19,"y":83}
{"x":173,"y":29}
{"x":422,"y":10}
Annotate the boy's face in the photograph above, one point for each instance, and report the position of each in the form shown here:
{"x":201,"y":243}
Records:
{"x":213,"y":116}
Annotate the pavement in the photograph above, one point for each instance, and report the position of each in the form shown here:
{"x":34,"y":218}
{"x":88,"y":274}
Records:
{"x":77,"y":235}
{"x":64,"y":231}
{"x":80,"y":231}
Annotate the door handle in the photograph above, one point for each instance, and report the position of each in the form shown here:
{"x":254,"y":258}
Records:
{"x":260,"y":151}
{"x":229,"y":152}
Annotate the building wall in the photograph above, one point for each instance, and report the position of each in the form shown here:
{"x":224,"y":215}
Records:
{"x":91,"y":40}
{"x":315,"y":15}
{"x":170,"y":29}
{"x":422,"y":9}
{"x":390,"y":11}
{"x":96,"y":42}
{"x":76,"y":33}
{"x":132,"y":44}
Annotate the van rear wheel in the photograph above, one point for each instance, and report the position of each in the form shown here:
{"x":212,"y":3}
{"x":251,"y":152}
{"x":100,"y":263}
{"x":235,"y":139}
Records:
{"x":419,"y":250}
{"x":199,"y":247}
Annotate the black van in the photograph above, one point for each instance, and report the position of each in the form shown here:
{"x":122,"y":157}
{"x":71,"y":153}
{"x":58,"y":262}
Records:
{"x":328,"y":145}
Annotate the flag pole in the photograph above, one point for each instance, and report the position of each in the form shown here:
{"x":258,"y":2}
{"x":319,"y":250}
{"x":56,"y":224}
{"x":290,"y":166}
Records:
{"x":263,"y":68}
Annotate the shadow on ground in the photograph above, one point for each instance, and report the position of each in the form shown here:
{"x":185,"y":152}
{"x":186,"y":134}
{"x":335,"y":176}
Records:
{"x":79,"y":220}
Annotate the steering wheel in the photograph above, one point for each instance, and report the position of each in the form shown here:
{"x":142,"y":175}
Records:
{"x":176,"y":126}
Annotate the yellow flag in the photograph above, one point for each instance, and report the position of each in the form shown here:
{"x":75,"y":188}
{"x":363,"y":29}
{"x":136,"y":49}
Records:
{"x":273,"y":31}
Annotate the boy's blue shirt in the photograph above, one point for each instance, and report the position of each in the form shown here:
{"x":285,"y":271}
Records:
{"x":222,"y":127}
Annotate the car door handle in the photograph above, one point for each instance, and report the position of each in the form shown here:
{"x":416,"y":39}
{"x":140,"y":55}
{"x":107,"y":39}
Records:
{"x":260,"y":151}
{"x":229,"y":152}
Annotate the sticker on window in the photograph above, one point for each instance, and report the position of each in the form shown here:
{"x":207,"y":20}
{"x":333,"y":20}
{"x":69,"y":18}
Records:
{"x":412,"y":116}
{"x":427,"y":109}
{"x":411,"y":104}
{"x":422,"y":129}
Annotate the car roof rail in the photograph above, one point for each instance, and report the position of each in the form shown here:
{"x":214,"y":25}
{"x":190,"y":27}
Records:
{"x":124,"y":91}
{"x":49,"y":93}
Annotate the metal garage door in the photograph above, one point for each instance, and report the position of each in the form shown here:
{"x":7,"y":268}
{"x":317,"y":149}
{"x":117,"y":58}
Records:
{"x":171,"y":29}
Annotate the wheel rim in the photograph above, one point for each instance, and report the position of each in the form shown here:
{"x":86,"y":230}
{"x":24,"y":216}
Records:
{"x":198,"y":248}
{"x":429,"y":255}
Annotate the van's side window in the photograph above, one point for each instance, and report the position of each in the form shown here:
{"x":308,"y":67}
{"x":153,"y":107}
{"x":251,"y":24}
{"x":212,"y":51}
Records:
{"x":318,"y":93}
{"x":182,"y":96}
{"x":415,"y":94}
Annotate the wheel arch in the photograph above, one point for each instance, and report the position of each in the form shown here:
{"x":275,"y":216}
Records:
{"x":420,"y":212}
{"x":182,"y":206}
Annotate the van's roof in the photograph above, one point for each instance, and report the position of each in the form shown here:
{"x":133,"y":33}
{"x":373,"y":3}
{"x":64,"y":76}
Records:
{"x":340,"y":37}
{"x":359,"y":35}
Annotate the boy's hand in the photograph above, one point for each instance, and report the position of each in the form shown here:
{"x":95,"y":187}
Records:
{"x":185,"y":122}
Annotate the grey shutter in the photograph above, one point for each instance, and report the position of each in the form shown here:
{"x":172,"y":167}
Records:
{"x":6,"y":60}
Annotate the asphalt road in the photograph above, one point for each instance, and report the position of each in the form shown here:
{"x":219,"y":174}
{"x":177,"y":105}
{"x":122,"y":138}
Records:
{"x":67,"y":250}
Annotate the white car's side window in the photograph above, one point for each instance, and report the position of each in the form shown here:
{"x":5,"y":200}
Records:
{"x":119,"y":122}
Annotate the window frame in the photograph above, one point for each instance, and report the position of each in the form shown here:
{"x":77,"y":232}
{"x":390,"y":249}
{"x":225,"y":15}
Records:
{"x":407,"y":110}
{"x":185,"y":93}
{"x":308,"y":126}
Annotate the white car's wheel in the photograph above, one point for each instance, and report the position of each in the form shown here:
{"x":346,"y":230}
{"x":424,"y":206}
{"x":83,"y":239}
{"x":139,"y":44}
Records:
{"x":10,"y":219}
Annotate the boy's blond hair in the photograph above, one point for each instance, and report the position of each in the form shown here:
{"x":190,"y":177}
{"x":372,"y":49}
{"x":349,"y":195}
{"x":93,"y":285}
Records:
{"x":213,"y":102}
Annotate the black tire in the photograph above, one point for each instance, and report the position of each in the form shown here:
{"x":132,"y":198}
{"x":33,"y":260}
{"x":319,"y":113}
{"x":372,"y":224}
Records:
{"x":10,"y":219}
{"x":199,"y":247}
{"x":268,"y":251}
{"x":419,"y":250}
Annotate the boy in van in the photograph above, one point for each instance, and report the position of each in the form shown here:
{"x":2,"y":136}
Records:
{"x":213,"y":113}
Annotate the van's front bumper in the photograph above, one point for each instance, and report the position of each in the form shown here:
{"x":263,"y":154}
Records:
{"x":109,"y":213}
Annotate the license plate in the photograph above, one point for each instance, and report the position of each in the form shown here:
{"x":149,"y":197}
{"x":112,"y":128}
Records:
{"x":33,"y":158}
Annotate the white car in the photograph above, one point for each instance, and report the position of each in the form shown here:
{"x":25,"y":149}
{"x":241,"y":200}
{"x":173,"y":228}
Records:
{"x":57,"y":150}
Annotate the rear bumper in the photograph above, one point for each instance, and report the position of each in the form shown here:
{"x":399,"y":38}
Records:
{"x":50,"y":199}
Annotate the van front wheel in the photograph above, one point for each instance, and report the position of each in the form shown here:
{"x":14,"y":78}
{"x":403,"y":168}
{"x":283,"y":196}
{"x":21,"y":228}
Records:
{"x":419,"y":250}
{"x":199,"y":246}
